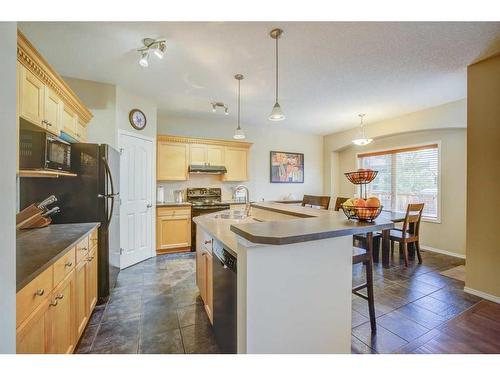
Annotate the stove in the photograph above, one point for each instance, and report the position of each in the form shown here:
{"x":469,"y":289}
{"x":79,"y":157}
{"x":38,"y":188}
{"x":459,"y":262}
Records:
{"x":204,"y":201}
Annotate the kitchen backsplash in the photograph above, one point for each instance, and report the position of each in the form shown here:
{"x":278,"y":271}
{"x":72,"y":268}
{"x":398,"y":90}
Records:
{"x":200,"y":181}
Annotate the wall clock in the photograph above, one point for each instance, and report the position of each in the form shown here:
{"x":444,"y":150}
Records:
{"x":137,"y":119}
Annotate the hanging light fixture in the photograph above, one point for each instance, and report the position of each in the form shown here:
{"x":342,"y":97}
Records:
{"x":362,"y":140}
{"x":276,"y":113}
{"x":238,"y":133}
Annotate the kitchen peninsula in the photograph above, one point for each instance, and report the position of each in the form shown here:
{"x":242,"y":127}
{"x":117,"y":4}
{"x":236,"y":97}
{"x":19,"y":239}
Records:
{"x":293,"y":276}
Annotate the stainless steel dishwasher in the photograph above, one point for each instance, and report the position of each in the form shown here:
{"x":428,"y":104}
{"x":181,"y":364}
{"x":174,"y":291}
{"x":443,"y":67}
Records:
{"x":224,"y":298}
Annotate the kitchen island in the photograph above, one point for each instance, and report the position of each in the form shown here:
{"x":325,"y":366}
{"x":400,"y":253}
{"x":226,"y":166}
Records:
{"x":294,"y":276}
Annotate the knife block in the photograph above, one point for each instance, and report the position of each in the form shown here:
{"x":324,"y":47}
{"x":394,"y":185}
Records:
{"x":31,"y":217}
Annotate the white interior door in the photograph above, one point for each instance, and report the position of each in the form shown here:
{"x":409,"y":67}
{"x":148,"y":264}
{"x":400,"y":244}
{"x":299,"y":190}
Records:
{"x":136,"y":212}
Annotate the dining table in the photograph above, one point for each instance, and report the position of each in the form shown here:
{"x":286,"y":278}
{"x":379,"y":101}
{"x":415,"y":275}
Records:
{"x":395,"y":217}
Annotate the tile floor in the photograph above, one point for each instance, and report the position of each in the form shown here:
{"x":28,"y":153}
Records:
{"x":156,"y":308}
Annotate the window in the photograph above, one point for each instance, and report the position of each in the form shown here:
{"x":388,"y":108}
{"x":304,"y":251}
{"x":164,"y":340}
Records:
{"x":409,"y":175}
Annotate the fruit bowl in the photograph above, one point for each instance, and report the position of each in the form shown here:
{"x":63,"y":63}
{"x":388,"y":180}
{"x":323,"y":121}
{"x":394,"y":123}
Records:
{"x":361,"y":176}
{"x":361,"y":213}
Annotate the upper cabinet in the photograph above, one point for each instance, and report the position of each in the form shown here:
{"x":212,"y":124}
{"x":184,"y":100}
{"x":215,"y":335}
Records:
{"x":201,"y":154}
{"x":175,"y":154}
{"x":44,"y":99}
{"x":236,"y":164}
{"x":172,"y":161}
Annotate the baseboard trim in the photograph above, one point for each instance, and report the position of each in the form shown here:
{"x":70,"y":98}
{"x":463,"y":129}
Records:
{"x":441,"y":251}
{"x":484,"y":295}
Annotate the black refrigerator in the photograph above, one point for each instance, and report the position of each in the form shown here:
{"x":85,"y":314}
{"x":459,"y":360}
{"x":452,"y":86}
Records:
{"x":92,"y":196}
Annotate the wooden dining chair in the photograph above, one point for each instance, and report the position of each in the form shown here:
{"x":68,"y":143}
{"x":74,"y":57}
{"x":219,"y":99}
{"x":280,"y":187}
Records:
{"x":316,"y":200}
{"x":409,"y":233}
{"x":363,"y":254}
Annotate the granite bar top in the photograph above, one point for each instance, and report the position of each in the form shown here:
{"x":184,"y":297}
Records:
{"x":38,"y":249}
{"x":173,"y":204}
{"x":311,"y":224}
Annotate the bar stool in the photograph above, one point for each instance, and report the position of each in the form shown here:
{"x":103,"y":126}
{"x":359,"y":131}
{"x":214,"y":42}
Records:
{"x":316,"y":200}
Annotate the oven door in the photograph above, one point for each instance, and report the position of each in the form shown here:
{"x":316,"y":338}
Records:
{"x":57,"y":154}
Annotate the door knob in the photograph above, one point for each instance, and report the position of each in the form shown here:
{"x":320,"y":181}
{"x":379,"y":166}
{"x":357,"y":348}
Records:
{"x":149,"y":205}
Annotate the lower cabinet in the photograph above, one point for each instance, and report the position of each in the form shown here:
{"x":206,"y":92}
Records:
{"x":51,"y":319}
{"x":62,"y":317}
{"x":204,"y":270}
{"x":173,"y":231}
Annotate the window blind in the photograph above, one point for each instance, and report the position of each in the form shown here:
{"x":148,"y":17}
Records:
{"x":408,"y":175}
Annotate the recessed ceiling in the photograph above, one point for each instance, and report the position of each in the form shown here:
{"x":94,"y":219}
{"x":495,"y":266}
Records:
{"x":329,"y":71}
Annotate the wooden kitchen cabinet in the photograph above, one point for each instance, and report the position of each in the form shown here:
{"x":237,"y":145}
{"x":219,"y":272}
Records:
{"x":52,"y":112}
{"x":81,"y":131}
{"x":202,"y":154}
{"x":31,"y":335}
{"x":31,"y":101}
{"x":54,"y":308}
{"x":175,"y":154}
{"x":204,"y":278}
{"x":81,"y":300}
{"x":62,"y":317}
{"x":236,"y":163}
{"x":172,"y":161}
{"x":69,"y":122}
{"x":173,"y":232}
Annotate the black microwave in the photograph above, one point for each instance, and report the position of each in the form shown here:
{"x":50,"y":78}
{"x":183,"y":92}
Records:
{"x":39,"y":150}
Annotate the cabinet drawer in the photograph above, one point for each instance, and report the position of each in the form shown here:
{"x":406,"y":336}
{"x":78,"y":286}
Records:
{"x":33,"y":294}
{"x":82,"y":250}
{"x":93,"y":239}
{"x":178,"y":211}
{"x":64,"y":266}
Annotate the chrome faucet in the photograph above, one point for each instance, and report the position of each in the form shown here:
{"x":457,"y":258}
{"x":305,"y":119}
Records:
{"x":247,"y":197}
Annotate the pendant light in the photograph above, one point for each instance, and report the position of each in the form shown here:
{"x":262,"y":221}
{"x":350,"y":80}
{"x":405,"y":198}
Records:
{"x":362,"y":140}
{"x":276,"y":113}
{"x":238,"y":133}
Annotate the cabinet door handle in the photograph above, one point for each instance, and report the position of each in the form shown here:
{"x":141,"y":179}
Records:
{"x":48,"y":123}
{"x":59,"y":296}
{"x":208,"y":241}
{"x":69,"y":264}
{"x":89,"y":259}
{"x":53,"y":303}
{"x":83,"y":249}
{"x":39,"y":292}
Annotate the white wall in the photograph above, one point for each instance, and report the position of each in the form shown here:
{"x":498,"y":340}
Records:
{"x":447,"y":116}
{"x":449,"y":235}
{"x":125,"y":102}
{"x":100,"y":98}
{"x":8,"y":56}
{"x":273,"y":137}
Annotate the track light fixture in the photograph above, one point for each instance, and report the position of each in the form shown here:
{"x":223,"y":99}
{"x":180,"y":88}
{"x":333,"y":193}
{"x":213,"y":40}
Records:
{"x":221,"y":105}
{"x":157,"y":46}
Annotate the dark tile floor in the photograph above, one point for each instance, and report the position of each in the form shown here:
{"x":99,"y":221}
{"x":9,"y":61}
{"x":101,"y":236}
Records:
{"x":156,"y":308}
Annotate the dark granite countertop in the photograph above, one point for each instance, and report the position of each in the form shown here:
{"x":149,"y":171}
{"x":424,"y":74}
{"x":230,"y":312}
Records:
{"x":38,"y":249}
{"x":311,"y":224}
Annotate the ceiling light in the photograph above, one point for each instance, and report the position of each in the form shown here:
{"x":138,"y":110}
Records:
{"x":276,"y":113}
{"x":159,"y":49}
{"x":362,"y":140}
{"x":144,"y":59}
{"x":221,"y":105}
{"x":238,"y":133}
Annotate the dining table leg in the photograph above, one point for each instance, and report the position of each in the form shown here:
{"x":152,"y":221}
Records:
{"x":385,"y":248}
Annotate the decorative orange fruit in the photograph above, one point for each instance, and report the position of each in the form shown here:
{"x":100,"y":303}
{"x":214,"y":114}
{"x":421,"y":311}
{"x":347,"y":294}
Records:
{"x":373,"y":202}
{"x":359,"y":202}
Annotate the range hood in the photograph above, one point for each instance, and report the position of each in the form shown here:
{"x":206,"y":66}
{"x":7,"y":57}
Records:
{"x":207,"y":169}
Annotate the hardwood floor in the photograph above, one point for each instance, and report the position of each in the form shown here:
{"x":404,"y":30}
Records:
{"x":476,"y":331}
{"x":421,"y":311}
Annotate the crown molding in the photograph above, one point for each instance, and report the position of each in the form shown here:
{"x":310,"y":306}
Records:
{"x":32,"y":60}
{"x":203,"y":141}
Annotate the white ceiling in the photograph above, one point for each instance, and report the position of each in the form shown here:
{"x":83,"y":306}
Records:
{"x":329,"y":71}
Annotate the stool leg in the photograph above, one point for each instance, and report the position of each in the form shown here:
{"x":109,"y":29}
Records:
{"x":371,"y":299}
{"x":369,"y":281}
{"x":392,"y":247}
